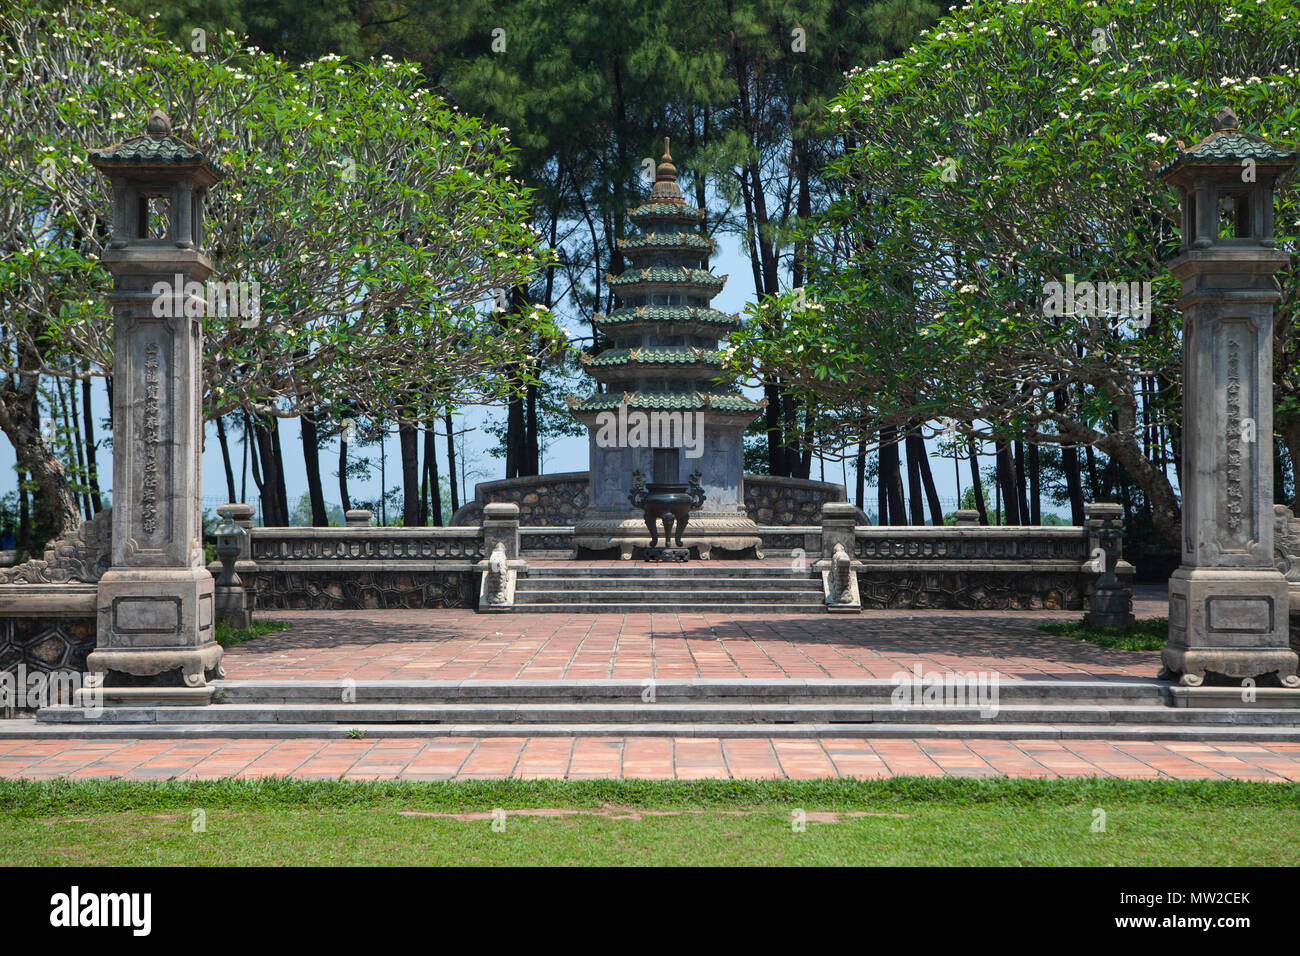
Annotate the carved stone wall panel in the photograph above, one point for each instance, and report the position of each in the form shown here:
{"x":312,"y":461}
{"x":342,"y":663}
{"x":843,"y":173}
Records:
{"x":44,"y":644}
{"x":362,"y":589}
{"x":971,"y":590}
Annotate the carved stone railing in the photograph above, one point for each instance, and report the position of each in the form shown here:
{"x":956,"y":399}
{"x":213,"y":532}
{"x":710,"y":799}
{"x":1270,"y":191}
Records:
{"x":974,"y":567}
{"x":1065,"y":545}
{"x":363,"y":567}
{"x":290,"y":545}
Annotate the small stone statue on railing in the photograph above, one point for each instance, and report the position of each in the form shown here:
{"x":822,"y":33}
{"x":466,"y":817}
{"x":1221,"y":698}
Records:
{"x":841,"y":568}
{"x":498,"y":576}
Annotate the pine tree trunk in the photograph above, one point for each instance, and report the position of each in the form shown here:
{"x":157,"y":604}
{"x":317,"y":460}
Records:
{"x":225,"y":458}
{"x":451,"y":462}
{"x":976,"y":481}
{"x":1035,"y":496}
{"x":890,"y":476}
{"x":311,"y":460}
{"x":531,"y":457}
{"x":88,"y":428}
{"x":860,"y":479}
{"x":408,"y":441}
{"x":431,"y":469}
{"x":927,"y":480}
{"x":1022,"y":489}
{"x":344,"y":498}
{"x":1007,"y":481}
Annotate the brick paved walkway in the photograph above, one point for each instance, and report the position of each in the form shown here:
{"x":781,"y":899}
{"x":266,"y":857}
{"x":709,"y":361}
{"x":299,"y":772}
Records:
{"x":441,"y":758}
{"x":462,"y":645}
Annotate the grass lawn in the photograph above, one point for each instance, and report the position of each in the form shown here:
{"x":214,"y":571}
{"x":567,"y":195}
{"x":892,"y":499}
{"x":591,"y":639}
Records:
{"x":899,"y":821}
{"x":1150,"y":634}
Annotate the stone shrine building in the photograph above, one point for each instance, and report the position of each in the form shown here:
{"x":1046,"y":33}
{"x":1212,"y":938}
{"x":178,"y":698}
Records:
{"x":664,"y":415}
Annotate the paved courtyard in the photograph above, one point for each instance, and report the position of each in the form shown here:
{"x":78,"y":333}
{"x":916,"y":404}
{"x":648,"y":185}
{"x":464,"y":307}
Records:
{"x":463,"y":645}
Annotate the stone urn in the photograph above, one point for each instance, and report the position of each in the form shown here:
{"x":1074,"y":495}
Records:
{"x":669,"y":503}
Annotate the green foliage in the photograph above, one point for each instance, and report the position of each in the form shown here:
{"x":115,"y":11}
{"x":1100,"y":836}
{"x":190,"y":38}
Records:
{"x":1006,"y":149}
{"x":375,"y":219}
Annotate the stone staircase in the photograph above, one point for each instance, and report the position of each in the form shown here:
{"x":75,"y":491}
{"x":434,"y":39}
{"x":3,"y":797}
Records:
{"x":700,"y":586}
{"x":1107,"y":709}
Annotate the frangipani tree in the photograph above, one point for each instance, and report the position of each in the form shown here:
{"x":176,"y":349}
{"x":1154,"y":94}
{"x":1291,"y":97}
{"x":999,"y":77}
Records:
{"x":371,"y":222}
{"x":1014,"y":146}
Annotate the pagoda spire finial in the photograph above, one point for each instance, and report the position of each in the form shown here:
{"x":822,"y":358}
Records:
{"x":665,"y":187}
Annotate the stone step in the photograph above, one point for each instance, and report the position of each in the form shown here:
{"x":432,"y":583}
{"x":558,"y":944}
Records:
{"x":668,"y":598}
{"x":664,"y":713}
{"x":713,"y":690}
{"x":725,"y":585}
{"x":662,"y":607}
{"x":24,"y":729}
{"x":691,"y":569}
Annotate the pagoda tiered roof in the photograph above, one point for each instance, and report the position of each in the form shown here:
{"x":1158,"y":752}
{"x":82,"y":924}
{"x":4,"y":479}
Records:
{"x":664,"y":241}
{"x":654,"y":356}
{"x":668,"y":275}
{"x":629,"y":315}
{"x":668,"y":401}
{"x":660,"y":341}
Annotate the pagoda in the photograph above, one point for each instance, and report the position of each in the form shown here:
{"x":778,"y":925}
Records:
{"x":665,"y":414}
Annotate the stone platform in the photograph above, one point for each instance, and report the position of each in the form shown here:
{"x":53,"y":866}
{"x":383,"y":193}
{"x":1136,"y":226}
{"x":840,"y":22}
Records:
{"x":685,"y":674}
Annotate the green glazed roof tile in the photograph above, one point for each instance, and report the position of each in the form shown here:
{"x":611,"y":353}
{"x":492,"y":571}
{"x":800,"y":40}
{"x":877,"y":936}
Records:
{"x":674,"y":275}
{"x":668,"y":401}
{"x":661,"y":355}
{"x":665,"y":210}
{"x":667,"y":240}
{"x":1228,"y":144}
{"x":665,"y":313}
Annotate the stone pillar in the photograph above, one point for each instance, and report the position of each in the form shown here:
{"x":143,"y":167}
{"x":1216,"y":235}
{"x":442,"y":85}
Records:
{"x":1228,"y":604}
{"x":155,"y":604}
{"x":966,"y":518}
{"x":501,"y":564}
{"x":1110,"y":600}
{"x":837,"y":567}
{"x":358,"y":517}
{"x":501,"y":524}
{"x":839,"y":519}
